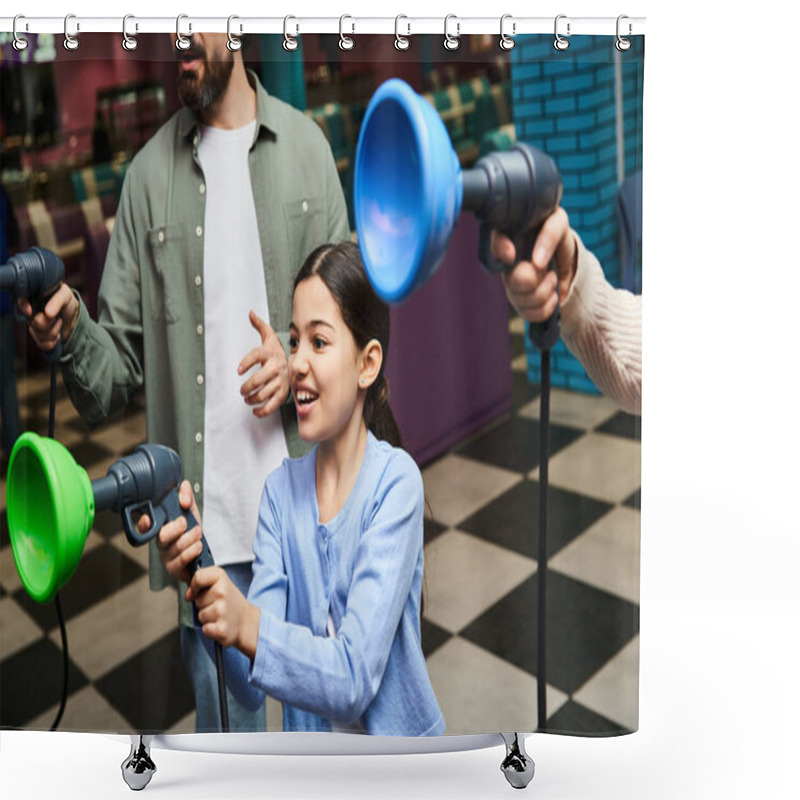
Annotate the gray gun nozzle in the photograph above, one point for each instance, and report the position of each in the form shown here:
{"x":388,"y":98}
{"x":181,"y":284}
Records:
{"x":33,"y":275}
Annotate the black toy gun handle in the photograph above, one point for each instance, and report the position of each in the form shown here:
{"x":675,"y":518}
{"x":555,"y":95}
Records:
{"x":159,"y":515}
{"x":543,"y":335}
{"x":35,"y":274}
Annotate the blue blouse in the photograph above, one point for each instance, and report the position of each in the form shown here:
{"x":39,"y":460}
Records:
{"x":364,"y":568}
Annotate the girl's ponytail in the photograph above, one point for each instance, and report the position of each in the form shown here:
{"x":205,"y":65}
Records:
{"x":378,"y":413}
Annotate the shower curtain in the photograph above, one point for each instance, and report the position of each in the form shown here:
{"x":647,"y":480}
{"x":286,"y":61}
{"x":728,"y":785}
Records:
{"x":465,"y":379}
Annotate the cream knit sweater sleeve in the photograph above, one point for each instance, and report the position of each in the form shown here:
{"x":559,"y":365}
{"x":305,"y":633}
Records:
{"x":602,"y":326}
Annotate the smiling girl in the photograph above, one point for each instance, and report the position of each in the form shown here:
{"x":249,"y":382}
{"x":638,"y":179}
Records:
{"x":331,"y":623}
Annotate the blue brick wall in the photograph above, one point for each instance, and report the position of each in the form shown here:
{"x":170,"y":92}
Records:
{"x":565,"y":104}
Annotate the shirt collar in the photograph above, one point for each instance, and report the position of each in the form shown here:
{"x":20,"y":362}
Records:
{"x":266,"y":118}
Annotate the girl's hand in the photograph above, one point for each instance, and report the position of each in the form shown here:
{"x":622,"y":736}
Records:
{"x":223,"y":611}
{"x":177,"y":546}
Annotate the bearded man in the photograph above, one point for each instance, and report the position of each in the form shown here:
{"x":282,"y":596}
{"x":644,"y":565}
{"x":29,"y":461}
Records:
{"x":217,"y":214}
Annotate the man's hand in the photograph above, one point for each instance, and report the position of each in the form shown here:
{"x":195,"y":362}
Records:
{"x":268,"y":387}
{"x":58,"y":318}
{"x":531,"y":287}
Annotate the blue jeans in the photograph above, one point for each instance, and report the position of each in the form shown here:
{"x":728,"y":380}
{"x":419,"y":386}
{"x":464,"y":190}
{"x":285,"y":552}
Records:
{"x":203,"y":676}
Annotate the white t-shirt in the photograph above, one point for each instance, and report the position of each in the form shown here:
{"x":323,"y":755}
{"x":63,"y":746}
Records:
{"x":240,"y":449}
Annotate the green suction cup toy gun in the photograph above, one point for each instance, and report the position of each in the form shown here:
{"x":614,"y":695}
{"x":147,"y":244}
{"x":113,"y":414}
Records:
{"x":52,"y":503}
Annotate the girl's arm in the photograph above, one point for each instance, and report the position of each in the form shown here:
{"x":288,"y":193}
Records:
{"x":338,"y":678}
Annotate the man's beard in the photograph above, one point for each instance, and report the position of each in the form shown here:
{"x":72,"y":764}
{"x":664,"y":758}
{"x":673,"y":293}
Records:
{"x":200,"y":94}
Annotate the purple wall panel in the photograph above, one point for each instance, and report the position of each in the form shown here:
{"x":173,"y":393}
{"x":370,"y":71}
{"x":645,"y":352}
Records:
{"x":449,"y":357}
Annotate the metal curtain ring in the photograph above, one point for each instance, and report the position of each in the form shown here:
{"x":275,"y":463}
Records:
{"x":401,"y":42}
{"x":129,"y":42}
{"x":345,"y":42}
{"x":452,"y":42}
{"x":506,"y":42}
{"x":20,"y":42}
{"x":182,"y":42}
{"x":623,"y":44}
{"x":561,"y":43}
{"x":234,"y":42}
{"x":289,"y":42}
{"x":70,"y":42}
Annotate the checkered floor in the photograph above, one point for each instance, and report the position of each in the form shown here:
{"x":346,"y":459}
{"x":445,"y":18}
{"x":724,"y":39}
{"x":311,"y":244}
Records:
{"x":479,"y":630}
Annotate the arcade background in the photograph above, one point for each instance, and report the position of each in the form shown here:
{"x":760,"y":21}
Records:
{"x":719,"y":689}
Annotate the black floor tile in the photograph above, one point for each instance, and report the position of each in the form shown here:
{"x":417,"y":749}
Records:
{"x":622,"y":424}
{"x":573,"y":718}
{"x":517,"y":344}
{"x":88,"y":452}
{"x":585,"y":627}
{"x":40,"y":399}
{"x":101,"y":572}
{"x":31,"y":682}
{"x":78,"y":424}
{"x":522,"y":390}
{"x":514,"y":443}
{"x":108,"y":524}
{"x":635,"y":500}
{"x":433,"y":637}
{"x":5,"y":538}
{"x":512,"y":519}
{"x":151,"y":690}
{"x":432,"y":529}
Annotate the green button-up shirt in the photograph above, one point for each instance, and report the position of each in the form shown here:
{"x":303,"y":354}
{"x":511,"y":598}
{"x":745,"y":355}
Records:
{"x":151,"y":301}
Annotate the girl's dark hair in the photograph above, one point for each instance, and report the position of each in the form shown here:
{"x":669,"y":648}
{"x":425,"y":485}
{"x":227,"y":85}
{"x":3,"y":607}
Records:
{"x":366,"y":315}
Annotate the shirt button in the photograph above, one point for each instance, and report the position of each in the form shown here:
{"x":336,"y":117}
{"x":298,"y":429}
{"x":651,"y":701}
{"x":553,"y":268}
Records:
{"x":199,"y":380}
{"x":160,"y":237}
{"x":198,"y":280}
{"x":305,"y":205}
{"x":202,"y":188}
{"x":198,"y":230}
{"x":198,"y":437}
{"x":197,"y":488}
{"x":199,"y":330}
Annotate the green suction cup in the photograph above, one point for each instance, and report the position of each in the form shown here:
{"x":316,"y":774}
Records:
{"x":50,"y":508}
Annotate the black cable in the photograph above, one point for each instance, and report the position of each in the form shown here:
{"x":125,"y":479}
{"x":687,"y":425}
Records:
{"x":223,"y":697}
{"x":541,"y":556}
{"x":65,"y":653}
{"x":51,"y":424}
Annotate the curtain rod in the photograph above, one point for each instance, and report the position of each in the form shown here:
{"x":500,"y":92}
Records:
{"x":293,"y":25}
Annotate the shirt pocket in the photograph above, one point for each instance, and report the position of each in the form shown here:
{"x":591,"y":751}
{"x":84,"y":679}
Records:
{"x":306,"y":228}
{"x":167,"y":294}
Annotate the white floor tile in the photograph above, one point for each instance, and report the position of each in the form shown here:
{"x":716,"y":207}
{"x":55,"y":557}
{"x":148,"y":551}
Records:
{"x":480,"y":693}
{"x":86,"y":711}
{"x":598,"y":465}
{"x":606,"y":555}
{"x":456,"y":487}
{"x":574,"y":409}
{"x":110,"y":632}
{"x":465,"y":575}
{"x":614,"y":690}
